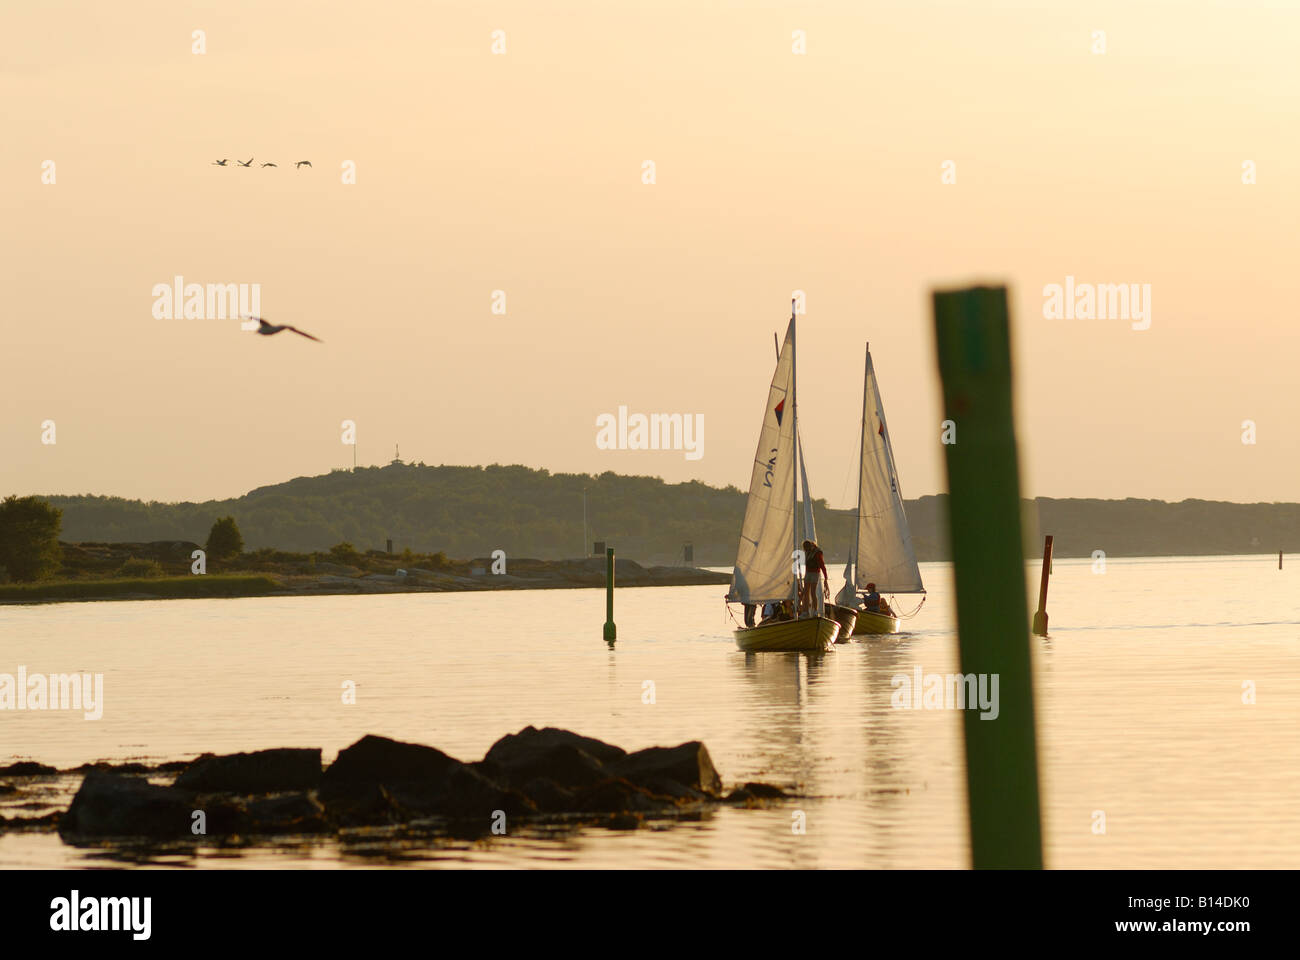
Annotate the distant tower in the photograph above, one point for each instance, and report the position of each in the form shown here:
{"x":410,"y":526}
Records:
{"x":397,"y":456}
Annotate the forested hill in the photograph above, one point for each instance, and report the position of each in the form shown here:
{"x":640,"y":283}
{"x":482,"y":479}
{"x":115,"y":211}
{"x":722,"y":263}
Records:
{"x":471,"y":511}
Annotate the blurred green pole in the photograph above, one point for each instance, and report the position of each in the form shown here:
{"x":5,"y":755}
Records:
{"x":611,"y":631}
{"x":974,"y":346}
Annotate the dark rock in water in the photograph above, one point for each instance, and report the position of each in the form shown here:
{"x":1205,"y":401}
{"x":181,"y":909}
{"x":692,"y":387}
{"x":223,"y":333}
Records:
{"x":48,"y":822}
{"x":108,"y":805}
{"x":364,"y":805}
{"x":520,"y":748}
{"x":666,"y":787}
{"x":755,"y":793}
{"x":468,"y":794}
{"x":564,"y":763}
{"x":265,"y":771}
{"x":290,"y":813}
{"x":380,"y":760}
{"x":27,"y":768}
{"x":617,"y":796}
{"x":549,"y":796}
{"x":106,"y":767}
{"x":688,"y":764}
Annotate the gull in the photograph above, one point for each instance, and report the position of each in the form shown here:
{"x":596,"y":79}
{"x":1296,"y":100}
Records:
{"x":243,"y":164}
{"x":269,"y":164}
{"x":303,"y":163}
{"x":219,"y":163}
{"x":266,"y":329}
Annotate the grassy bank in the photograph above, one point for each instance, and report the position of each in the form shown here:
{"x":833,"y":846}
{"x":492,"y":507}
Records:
{"x":119,"y":588}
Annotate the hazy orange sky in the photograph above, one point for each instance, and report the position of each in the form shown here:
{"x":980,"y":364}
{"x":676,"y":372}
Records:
{"x":522,"y":172}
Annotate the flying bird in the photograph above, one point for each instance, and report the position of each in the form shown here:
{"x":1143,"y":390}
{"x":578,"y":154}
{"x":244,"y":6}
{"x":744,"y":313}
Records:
{"x":303,"y":163}
{"x":266,"y":329}
{"x":243,"y":164}
{"x":269,"y":164}
{"x":219,"y":163}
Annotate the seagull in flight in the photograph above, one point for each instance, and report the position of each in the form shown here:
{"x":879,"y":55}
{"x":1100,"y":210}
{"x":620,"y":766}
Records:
{"x":270,"y":164}
{"x":219,"y":163}
{"x":266,"y":329}
{"x":302,"y":163}
{"x":243,"y":164}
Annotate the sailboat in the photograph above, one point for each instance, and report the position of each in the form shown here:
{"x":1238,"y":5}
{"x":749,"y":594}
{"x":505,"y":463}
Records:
{"x":766,"y":566}
{"x":882,"y":552}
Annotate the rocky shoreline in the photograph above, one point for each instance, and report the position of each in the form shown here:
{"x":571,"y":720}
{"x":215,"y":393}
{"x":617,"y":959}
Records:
{"x":530,"y":777}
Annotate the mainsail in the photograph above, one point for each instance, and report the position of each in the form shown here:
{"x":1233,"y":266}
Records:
{"x":764,"y":565}
{"x":884,"y":554}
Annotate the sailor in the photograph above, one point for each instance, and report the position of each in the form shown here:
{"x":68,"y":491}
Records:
{"x":814,"y":562}
{"x":871,"y":599}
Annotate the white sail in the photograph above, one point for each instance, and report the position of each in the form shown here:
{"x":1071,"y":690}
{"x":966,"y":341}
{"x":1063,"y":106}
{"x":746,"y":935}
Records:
{"x":764,"y":565}
{"x":884,"y":554}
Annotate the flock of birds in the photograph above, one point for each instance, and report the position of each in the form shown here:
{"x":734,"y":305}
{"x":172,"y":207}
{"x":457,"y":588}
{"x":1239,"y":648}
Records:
{"x":264,"y":328}
{"x":249,"y":162}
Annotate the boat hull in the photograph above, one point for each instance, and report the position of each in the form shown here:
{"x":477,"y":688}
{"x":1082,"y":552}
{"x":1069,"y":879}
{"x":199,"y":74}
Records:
{"x":870,"y":623}
{"x":846,"y":617}
{"x":811,"y":633}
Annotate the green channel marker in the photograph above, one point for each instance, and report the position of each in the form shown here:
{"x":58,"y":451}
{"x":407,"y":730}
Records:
{"x":973,"y":337}
{"x":611,"y":631}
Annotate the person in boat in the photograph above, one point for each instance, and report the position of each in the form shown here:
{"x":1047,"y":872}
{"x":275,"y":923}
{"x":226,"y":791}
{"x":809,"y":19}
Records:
{"x":875,"y":603}
{"x":749,"y":614}
{"x":814,"y":562}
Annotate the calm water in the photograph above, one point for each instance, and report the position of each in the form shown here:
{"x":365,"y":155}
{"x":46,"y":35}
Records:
{"x":1139,"y":696}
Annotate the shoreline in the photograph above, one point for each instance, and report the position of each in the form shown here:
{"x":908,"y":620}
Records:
{"x":540,"y":575}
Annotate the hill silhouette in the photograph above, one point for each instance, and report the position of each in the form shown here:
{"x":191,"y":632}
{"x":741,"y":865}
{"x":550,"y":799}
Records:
{"x":471,"y":511}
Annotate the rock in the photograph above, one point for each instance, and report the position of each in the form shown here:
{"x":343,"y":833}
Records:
{"x":364,"y":805}
{"x":289,"y":813}
{"x":381,"y":760}
{"x":565,"y":764}
{"x":111,"y":805}
{"x":548,"y":796}
{"x":107,"y":767}
{"x":688,"y":764}
{"x":27,"y":768}
{"x":264,"y":771}
{"x":617,"y":796}
{"x":468,"y":794}
{"x":519,"y":748}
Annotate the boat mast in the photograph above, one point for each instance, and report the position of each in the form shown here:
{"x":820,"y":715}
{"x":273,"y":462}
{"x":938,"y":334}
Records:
{"x":794,"y":412}
{"x":862,"y":454}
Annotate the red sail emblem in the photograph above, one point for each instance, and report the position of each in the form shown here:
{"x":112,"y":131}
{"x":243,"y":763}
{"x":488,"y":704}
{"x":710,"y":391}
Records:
{"x":780,"y":409}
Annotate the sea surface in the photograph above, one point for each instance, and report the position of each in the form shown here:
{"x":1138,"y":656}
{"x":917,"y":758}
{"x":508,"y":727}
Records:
{"x":1140,"y":694}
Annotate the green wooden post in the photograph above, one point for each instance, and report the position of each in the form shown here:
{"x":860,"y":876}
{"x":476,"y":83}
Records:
{"x":611,"y":631}
{"x":974,"y":346}
{"x":1040,"y":618}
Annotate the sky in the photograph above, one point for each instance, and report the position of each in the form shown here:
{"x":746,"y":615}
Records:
{"x":524,"y":172}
